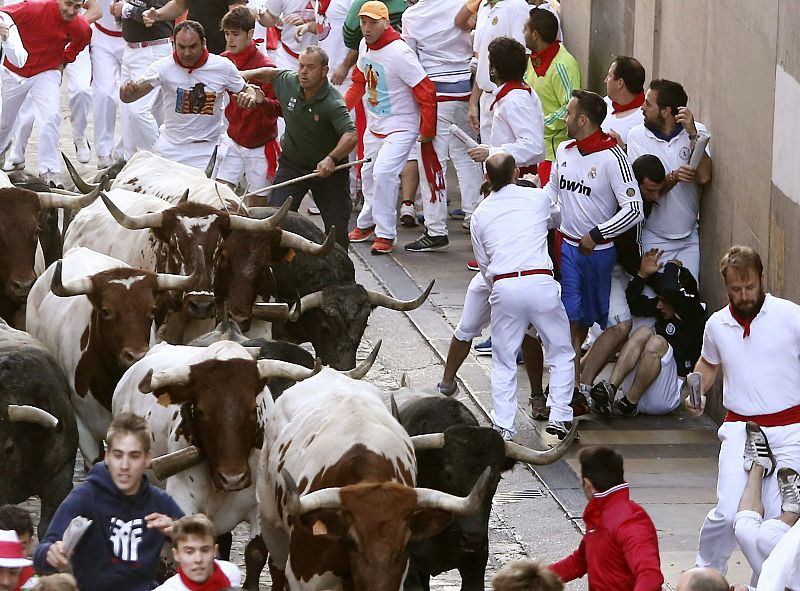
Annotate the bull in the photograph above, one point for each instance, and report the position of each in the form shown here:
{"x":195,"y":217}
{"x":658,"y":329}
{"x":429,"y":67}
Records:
{"x":38,"y":434}
{"x":95,"y":315}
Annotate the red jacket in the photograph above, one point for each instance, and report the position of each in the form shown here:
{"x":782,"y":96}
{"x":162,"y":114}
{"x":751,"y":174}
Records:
{"x":49,"y":40}
{"x":620,"y":548}
{"x":253,"y":128}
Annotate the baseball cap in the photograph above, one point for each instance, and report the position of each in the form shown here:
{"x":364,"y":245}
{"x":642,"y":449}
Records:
{"x":374,"y":9}
{"x":11,"y":550}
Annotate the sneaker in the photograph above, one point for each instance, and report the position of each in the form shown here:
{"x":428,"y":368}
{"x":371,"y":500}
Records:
{"x":789,"y":486}
{"x":484,"y":347}
{"x":506,"y":434}
{"x":624,"y":408}
{"x":539,"y":410}
{"x":104,"y":162}
{"x":465,"y":224}
{"x":52,"y":178}
{"x":559,"y":428}
{"x":313,"y":210}
{"x":473,"y":265}
{"x":579,"y":404}
{"x":382,"y":246}
{"x":756,"y":449}
{"x":359,"y":235}
{"x":426,"y":243}
{"x":82,"y":150}
{"x":408,"y":217}
{"x":456,"y":214}
{"x":602,"y":395}
{"x":8,"y":165}
{"x":447,"y":390}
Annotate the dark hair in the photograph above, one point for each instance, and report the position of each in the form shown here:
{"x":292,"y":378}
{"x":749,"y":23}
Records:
{"x":592,"y":105}
{"x":194,"y":26}
{"x":319,"y":52}
{"x":670,"y":94}
{"x":543,"y":22}
{"x":500,"y":170}
{"x":602,"y":466}
{"x":127,"y":423}
{"x":648,"y":166}
{"x":17,"y":519}
{"x":239,"y":18}
{"x":631,"y":72}
{"x":507,"y":57}
{"x":741,"y":258}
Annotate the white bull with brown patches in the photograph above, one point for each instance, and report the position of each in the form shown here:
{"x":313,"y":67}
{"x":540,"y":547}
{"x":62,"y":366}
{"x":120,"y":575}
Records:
{"x":346,"y":522}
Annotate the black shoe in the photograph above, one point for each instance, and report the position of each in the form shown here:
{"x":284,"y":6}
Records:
{"x":602,"y":394}
{"x":560,"y":429}
{"x":624,"y":408}
{"x":426,"y":243}
{"x":539,"y":410}
{"x":579,"y":404}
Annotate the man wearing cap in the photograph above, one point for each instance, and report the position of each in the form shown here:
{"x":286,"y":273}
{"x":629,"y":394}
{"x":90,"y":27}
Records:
{"x":400,"y":101}
{"x":12,"y":560}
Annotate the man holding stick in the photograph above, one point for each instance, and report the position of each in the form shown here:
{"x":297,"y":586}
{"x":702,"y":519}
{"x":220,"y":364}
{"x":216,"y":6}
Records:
{"x":319,"y":135}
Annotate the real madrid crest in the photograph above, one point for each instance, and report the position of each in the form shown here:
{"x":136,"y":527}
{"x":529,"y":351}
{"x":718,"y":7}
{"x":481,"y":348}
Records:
{"x":685,"y":153}
{"x":593,"y":172}
{"x":670,"y":329}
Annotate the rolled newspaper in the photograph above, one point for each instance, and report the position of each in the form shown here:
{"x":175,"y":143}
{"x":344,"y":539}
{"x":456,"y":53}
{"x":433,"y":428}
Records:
{"x":73,"y":534}
{"x":699,"y":148}
{"x":463,"y":136}
{"x":695,"y":392}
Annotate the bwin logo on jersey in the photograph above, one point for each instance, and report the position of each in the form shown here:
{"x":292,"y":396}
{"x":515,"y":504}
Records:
{"x":125,"y":538}
{"x":575,"y":187}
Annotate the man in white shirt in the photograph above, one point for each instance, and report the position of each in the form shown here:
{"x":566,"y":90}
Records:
{"x":509,"y":239}
{"x":755,"y":341}
{"x":290,"y":14}
{"x":193,"y":83}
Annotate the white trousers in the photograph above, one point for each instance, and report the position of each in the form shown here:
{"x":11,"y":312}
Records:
{"x":107,"y":62}
{"x":470,"y":174}
{"x":781,"y":570}
{"x":717,"y":539}
{"x":234,"y":160}
{"x":137,"y":120}
{"x":380,"y":180}
{"x":757,"y":537}
{"x":42,"y":92}
{"x":195,"y":154}
{"x":686,"y":250}
{"x":517,"y":303}
{"x":486,"y":116}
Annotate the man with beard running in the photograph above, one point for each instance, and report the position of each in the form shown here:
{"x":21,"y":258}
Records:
{"x":755,"y":341}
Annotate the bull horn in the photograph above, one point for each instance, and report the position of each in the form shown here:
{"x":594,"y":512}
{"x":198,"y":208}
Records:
{"x":307,"y":302}
{"x":22,"y":413}
{"x":271,"y":311}
{"x":166,"y":281}
{"x":74,"y":201}
{"x":292,"y":240}
{"x":363,"y":368}
{"x":184,"y":198}
{"x":139,"y":222}
{"x":81,"y":184}
{"x":327,"y":498}
{"x":395,"y":410}
{"x":521,"y":453}
{"x":381,"y":299}
{"x":427,"y":441}
{"x":434,"y":499}
{"x":273,"y":368}
{"x":80,"y":286}
{"x":405,"y":382}
{"x":174,"y":376}
{"x":252,"y":225}
{"x":174,"y":462}
{"x":211,"y":163}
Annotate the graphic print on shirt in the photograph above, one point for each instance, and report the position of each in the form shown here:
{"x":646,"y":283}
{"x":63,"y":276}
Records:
{"x":323,"y":23}
{"x":125,"y":538}
{"x":195,"y":101}
{"x":378,"y":100}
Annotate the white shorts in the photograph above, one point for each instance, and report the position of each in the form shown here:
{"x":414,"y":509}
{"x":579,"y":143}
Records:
{"x":618,"y":310}
{"x":234,"y":161}
{"x":664,"y":394}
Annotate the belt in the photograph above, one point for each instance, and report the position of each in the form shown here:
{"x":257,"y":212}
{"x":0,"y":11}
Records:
{"x":138,"y":44}
{"x":289,"y":51}
{"x":522,"y":274}
{"x":108,"y":32}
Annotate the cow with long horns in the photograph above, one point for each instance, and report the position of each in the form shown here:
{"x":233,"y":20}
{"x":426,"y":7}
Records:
{"x":95,"y":315}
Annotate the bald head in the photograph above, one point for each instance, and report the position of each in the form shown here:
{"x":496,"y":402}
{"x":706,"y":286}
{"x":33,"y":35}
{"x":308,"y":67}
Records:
{"x":702,"y":579}
{"x":501,"y":170}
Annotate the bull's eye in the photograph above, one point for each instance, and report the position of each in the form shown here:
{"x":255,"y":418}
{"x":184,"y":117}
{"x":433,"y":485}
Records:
{"x":106,"y":313}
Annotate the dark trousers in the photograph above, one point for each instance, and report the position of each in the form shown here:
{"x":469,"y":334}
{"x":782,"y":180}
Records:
{"x":331,"y":195}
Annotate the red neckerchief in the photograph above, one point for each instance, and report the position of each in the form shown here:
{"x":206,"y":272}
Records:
{"x":433,"y":172}
{"x":198,"y":64}
{"x":541,"y":60}
{"x":745,"y":324}
{"x":637,"y":101}
{"x":215,"y":582}
{"x":596,"y":142}
{"x":508,"y":87}
{"x":389,"y":35}
{"x":241,"y":58}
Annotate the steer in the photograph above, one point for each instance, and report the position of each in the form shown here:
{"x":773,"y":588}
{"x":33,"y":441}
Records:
{"x":452,"y":453}
{"x":346,"y":522}
{"x":38,"y":435}
{"x":95,"y":315}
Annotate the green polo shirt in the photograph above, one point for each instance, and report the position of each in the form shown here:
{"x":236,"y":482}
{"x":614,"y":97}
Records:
{"x":313,"y":127}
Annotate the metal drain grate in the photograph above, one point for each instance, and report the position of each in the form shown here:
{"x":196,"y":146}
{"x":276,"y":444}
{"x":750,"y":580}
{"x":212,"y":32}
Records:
{"x":515,"y":496}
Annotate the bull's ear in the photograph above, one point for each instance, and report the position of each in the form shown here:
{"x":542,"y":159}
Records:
{"x":428,"y":522}
{"x":325,"y":522}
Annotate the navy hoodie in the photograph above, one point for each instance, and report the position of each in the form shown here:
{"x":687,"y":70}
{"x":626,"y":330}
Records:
{"x":118,"y":552}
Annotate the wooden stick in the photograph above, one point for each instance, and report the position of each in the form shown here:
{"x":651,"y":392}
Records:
{"x":305,"y":177}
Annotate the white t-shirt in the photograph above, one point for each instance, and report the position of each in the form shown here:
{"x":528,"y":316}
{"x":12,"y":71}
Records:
{"x":391,"y":72}
{"x":760,"y":372}
{"x":108,"y":20}
{"x":306,"y":10}
{"x":518,"y":126}
{"x":505,"y":19}
{"x":193,"y":102}
{"x":230,"y":570}
{"x":621,"y":125}
{"x":331,"y":39}
{"x":677,"y":211}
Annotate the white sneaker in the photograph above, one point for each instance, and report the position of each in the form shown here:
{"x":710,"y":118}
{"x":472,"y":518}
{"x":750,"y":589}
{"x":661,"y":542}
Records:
{"x":104,"y":162}
{"x":49,"y":176}
{"x":9,"y":165}
{"x":82,"y":150}
{"x":408,"y":217}
{"x":506,"y":434}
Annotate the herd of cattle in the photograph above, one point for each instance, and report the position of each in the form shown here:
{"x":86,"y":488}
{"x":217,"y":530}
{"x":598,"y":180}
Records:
{"x":345,"y":486}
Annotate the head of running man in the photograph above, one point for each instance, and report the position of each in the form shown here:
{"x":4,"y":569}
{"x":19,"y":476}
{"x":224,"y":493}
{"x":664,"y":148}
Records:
{"x":507,"y":60}
{"x":69,"y":9}
{"x":743,"y":272}
{"x":702,"y":579}
{"x":585,"y":113}
{"x":625,"y":79}
{"x":189,"y":39}
{"x":541,"y":29}
{"x":661,"y":104}
{"x":312,"y":69}
{"x":238,"y":27}
{"x":501,"y":170}
{"x":374,"y":20}
{"x":128,"y":451}
{"x":194,"y":547}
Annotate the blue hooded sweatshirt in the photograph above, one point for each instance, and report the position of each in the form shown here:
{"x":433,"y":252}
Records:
{"x":118,"y":552}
